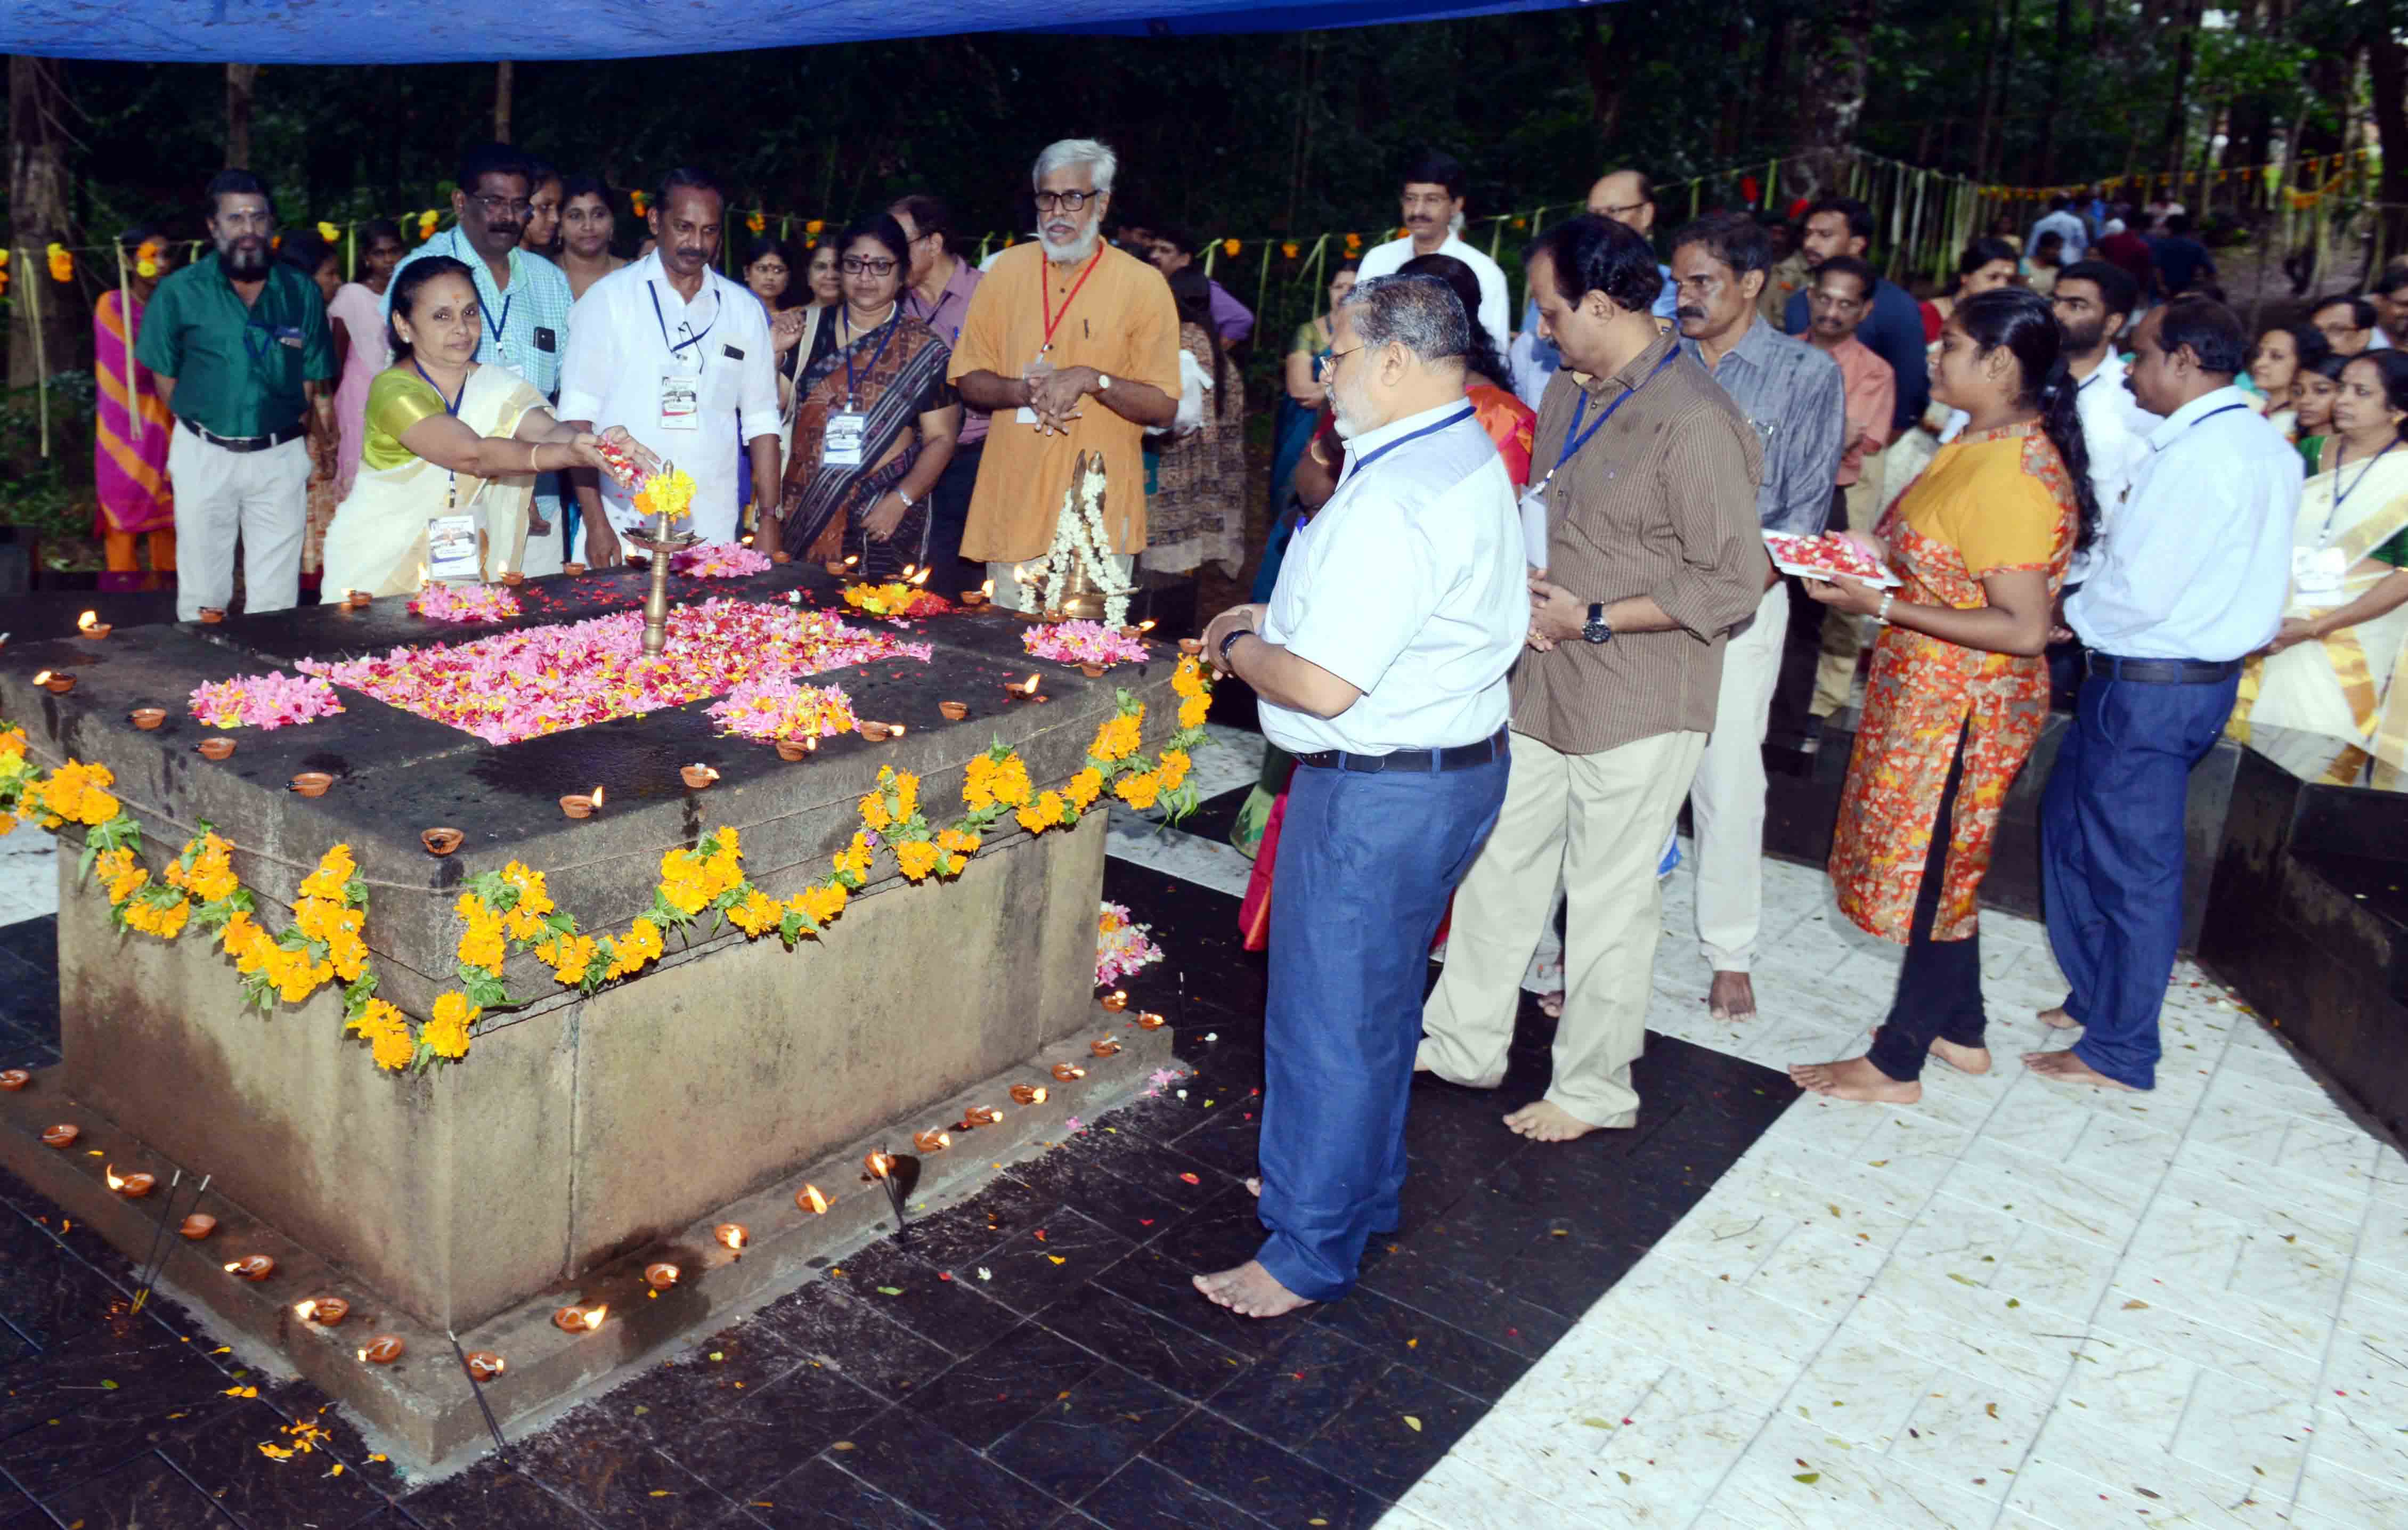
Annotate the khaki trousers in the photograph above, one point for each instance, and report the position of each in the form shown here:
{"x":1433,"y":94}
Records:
{"x":1843,"y":634}
{"x":1601,"y":820}
{"x":1726,"y":799}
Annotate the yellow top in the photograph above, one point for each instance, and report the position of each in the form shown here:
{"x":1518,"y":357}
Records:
{"x":1983,"y":497}
{"x":398,"y":398}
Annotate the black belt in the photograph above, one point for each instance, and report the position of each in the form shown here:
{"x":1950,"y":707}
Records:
{"x":242,"y":443}
{"x":2163,"y":671}
{"x":1429,"y":761}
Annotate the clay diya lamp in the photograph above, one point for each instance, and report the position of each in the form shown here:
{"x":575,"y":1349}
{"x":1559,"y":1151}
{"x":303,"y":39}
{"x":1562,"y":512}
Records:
{"x":660,"y":1276}
{"x":513,"y":578}
{"x":312,"y":783}
{"x":147,"y":717}
{"x":89,"y":626}
{"x":732,"y":1234}
{"x":792,"y":749}
{"x":357,"y":599}
{"x":197,"y":1227}
{"x":60,"y":1135}
{"x":573,"y":571}
{"x":1093,"y":672}
{"x":582,"y":804}
{"x":253,"y":1266}
{"x":211,"y":616}
{"x":1107,"y":1046}
{"x":383,"y":1349}
{"x":1025,"y":691}
{"x":697,"y":777}
{"x":1067,"y":1072}
{"x":325,"y":1311}
{"x":215,"y":749}
{"x":1191,"y":644}
{"x":782,"y":556}
{"x":878,"y":1163}
{"x":132,"y":1186}
{"x":953,"y":711}
{"x":15,"y":1079}
{"x":54,"y":682}
{"x":579,"y":1319}
{"x":1115,"y":1001}
{"x":1138,"y":632}
{"x":983,"y":1115}
{"x":1151,"y":1022}
{"x":1028,"y":1094}
{"x":809,"y":1200}
{"x":877,"y":732}
{"x":484,"y":1364}
{"x":836,"y":568}
{"x":440,"y":841}
{"x":932,"y":1141}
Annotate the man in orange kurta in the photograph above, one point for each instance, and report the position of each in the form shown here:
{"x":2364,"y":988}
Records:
{"x":1074,"y":347}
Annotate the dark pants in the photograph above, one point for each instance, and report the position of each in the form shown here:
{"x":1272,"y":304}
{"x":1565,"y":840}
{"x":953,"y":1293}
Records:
{"x":1939,"y":985}
{"x":1366,"y":866}
{"x":949,"y":513}
{"x":2111,"y":857}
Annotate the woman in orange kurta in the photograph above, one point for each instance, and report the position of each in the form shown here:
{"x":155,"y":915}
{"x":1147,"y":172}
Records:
{"x":1959,"y":689}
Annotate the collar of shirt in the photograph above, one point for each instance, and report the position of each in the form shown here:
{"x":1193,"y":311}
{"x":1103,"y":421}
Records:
{"x":1755,"y":346}
{"x":651,"y":271}
{"x":1364,"y":445}
{"x":2113,"y":367}
{"x":2192,"y":413}
{"x":1634,"y":372}
{"x":466,"y":253}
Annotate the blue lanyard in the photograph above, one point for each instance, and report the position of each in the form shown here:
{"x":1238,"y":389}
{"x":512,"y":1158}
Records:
{"x":502,"y":323}
{"x":2343,"y":497}
{"x":886,"y":334}
{"x":1576,"y":438}
{"x":450,"y":405}
{"x":658,"y":316}
{"x":911,"y":305}
{"x":2203,"y":419}
{"x":1379,"y":451}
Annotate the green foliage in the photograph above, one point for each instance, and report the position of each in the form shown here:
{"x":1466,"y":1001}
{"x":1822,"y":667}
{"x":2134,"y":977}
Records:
{"x":51,"y":495}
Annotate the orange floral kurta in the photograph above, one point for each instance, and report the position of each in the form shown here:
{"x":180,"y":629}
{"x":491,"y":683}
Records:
{"x":1992,"y":503}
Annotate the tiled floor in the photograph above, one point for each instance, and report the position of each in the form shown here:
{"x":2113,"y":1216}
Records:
{"x":2016,"y":1305}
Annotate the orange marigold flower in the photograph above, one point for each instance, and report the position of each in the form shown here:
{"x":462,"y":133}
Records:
{"x":447,"y":1034}
{"x":820,"y":904}
{"x":756,"y":915}
{"x":1084,"y":788}
{"x":1043,"y":814}
{"x":1139,"y":791}
{"x":1172,"y":768}
{"x":1192,"y":712}
{"x":916,"y":857}
{"x":387,"y":1034}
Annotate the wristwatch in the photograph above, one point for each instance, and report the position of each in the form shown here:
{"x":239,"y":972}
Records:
{"x":1103,"y":381}
{"x":1228,"y":639}
{"x":1595,"y":630}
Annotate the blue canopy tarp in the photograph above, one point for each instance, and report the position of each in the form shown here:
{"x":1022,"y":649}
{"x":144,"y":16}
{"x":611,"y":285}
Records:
{"x":396,"y":32}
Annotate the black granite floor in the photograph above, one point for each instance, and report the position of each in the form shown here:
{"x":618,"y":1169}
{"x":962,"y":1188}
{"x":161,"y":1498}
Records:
{"x":1034,"y":1357}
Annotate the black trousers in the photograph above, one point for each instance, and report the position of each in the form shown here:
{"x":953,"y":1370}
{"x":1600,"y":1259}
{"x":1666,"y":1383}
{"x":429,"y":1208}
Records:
{"x":1939,"y":986}
{"x":949,"y":515}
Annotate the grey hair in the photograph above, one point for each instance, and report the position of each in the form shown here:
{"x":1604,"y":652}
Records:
{"x":1421,"y":313}
{"x":1069,"y":151}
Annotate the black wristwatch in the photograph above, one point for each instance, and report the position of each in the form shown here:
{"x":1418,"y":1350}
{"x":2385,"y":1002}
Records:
{"x":1228,"y":639}
{"x":1595,"y":629}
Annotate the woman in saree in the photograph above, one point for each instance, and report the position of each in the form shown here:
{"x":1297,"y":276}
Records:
{"x":441,"y":428}
{"x":1958,"y":687}
{"x":2321,"y":701}
{"x":132,"y":426}
{"x":876,"y":421}
{"x":1299,"y":412}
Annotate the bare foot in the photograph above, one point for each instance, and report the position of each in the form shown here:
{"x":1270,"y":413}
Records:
{"x":2057,"y":1020}
{"x":2067,"y":1068}
{"x":1732,"y":996}
{"x":1855,"y":1079}
{"x":1552,"y":1005}
{"x":1250,"y":1292}
{"x":1543,"y":1120}
{"x":1963,"y":1059}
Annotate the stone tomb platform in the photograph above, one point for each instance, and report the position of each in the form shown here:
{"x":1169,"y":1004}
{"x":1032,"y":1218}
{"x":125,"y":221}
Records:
{"x":580,"y":1138}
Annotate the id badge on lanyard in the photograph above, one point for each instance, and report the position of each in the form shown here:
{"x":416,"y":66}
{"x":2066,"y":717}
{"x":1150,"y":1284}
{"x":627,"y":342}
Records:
{"x":680,"y":398}
{"x":2317,"y":575}
{"x":841,"y":445}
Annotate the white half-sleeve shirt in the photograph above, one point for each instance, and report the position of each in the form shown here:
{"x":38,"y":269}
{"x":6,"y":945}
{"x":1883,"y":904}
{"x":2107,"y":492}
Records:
{"x":620,"y":345}
{"x":1494,"y":315}
{"x":1409,"y":586}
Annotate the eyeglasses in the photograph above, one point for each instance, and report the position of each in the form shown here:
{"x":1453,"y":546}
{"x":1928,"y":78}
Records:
{"x":853,"y":266}
{"x":1619,"y":213}
{"x":1066,"y":201}
{"x":496,"y":206}
{"x":1325,"y":366}
{"x":236,"y":222}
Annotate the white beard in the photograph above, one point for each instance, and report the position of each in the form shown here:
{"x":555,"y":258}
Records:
{"x":1346,"y":426}
{"x":1076,"y":250}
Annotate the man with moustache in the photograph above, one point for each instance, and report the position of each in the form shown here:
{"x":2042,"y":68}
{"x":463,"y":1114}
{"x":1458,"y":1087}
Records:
{"x":1842,"y":225}
{"x":525,"y":303}
{"x":1431,"y":202}
{"x":2093,"y":301}
{"x":1072,"y":345}
{"x":1793,"y":394}
{"x":245,"y":360}
{"x":679,"y":355}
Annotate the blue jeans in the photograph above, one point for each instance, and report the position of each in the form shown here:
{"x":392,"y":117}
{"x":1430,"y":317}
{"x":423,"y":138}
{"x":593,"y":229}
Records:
{"x":1367,"y":862}
{"x":2112,"y":858}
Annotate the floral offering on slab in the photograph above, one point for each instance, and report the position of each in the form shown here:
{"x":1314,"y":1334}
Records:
{"x":1081,"y":643}
{"x":896,"y":600}
{"x":273,"y":700}
{"x":772,"y":707}
{"x":718,"y":560}
{"x":520,"y":685}
{"x":1122,"y":945}
{"x":465,"y":603}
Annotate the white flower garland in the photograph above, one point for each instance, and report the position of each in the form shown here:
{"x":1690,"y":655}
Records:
{"x":1079,"y":537}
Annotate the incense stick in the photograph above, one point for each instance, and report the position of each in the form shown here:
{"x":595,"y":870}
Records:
{"x":501,"y":1447}
{"x":166,"y":1215}
{"x":143,"y":1295}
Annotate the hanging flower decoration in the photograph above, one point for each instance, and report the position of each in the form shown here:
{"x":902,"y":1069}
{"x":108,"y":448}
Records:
{"x":145,"y":260}
{"x":1231,"y":246}
{"x":328,"y":232}
{"x":273,"y":700}
{"x":61,"y":263}
{"x":464,"y":603}
{"x":815,"y":228}
{"x":321,"y":945}
{"x":641,"y":203}
{"x":1354,"y":243}
{"x":755,"y":222}
{"x":426,"y":222}
{"x":1288,"y":249}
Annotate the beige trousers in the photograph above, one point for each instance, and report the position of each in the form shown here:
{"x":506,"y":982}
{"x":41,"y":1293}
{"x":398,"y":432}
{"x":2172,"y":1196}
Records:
{"x":1843,"y":634}
{"x":1726,"y":799}
{"x":1599,"y":819}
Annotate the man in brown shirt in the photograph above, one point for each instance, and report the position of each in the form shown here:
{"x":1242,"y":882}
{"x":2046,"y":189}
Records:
{"x":1652,"y":555}
{"x":1074,"y":347}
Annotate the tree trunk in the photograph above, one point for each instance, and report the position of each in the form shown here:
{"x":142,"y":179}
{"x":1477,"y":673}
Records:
{"x":2061,"y":39}
{"x":1990,"y":93}
{"x":1605,"y":76}
{"x":1832,"y":95}
{"x":2169,"y":142}
{"x":502,"y":72}
{"x":241,"y":79}
{"x":39,"y":193}
{"x":2006,"y":90}
{"x":2387,"y":67}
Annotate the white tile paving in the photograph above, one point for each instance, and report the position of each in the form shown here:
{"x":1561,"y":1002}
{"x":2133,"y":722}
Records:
{"x":29,"y":879}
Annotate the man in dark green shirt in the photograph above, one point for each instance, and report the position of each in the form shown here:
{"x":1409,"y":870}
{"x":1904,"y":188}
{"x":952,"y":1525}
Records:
{"x":241,"y":346}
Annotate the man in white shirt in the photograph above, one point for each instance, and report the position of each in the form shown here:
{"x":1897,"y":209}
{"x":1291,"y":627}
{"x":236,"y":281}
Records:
{"x":2188,"y":581}
{"x":1433,"y":200}
{"x":680,"y":356}
{"x":1380,"y":663}
{"x":2062,"y":221}
{"x":2094,"y":300}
